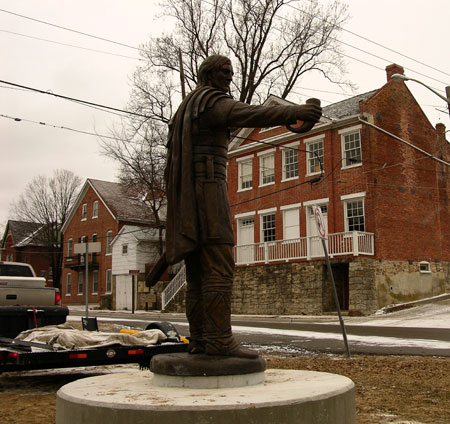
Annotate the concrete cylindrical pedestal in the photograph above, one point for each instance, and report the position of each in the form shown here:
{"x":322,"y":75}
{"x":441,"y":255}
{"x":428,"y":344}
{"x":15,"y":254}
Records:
{"x":285,"y":397}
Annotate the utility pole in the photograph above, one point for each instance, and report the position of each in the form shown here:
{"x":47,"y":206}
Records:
{"x":183,"y":89}
{"x":447,"y":93}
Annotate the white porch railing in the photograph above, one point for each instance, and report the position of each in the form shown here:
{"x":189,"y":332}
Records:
{"x":173,"y":287}
{"x":348,"y":243}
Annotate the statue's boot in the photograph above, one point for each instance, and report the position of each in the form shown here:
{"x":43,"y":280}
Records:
{"x":194,"y":314}
{"x":218,"y":336}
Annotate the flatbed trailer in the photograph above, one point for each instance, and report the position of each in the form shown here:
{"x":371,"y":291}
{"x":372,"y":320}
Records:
{"x":18,"y":355}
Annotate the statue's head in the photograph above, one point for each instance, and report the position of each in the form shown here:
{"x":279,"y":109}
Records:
{"x":216,"y":71}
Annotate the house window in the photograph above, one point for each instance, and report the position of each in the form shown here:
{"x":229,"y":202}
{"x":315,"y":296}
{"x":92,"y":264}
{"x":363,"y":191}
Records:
{"x":108,"y":281}
{"x":290,"y":163}
{"x":69,"y":249}
{"x":268,"y":227}
{"x":266,"y":169}
{"x":68,"y":283}
{"x":108,"y":242}
{"x":94,"y":237}
{"x":314,"y":157}
{"x":291,"y":223}
{"x":354,"y":212}
{"x":95,"y":209}
{"x":43,"y":273}
{"x":50,"y":274}
{"x":351,"y":147}
{"x":245,"y":170}
{"x":84,"y":212}
{"x":94,"y":282}
{"x":425,"y":267}
{"x":124,"y":249}
{"x":83,"y":239}
{"x":80,"y":283}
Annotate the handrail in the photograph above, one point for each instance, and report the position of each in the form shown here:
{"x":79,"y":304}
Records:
{"x":173,"y":287}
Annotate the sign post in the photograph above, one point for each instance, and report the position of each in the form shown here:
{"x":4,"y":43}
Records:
{"x":133,"y":273}
{"x":323,"y":235}
{"x":85,"y":249}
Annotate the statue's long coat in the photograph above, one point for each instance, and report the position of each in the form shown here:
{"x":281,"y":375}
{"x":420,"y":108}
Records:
{"x":213,"y":110}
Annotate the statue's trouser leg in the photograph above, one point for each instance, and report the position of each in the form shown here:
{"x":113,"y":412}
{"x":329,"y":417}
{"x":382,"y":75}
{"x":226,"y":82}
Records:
{"x":217,"y":268}
{"x":194,"y":304}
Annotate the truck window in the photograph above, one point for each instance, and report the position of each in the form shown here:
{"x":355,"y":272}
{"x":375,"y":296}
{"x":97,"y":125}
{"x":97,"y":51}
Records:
{"x":7,"y":270}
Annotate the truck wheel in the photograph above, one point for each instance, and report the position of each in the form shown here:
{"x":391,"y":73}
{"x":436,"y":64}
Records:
{"x":166,"y":327}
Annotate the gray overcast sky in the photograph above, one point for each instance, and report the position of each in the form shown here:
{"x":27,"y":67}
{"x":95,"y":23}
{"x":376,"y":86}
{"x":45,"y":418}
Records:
{"x":417,"y":30}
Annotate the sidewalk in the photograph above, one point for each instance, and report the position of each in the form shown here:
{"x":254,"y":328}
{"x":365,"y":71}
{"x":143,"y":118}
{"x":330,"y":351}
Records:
{"x":426,"y":313}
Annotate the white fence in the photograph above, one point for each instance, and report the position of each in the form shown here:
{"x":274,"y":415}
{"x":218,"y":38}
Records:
{"x":348,"y":243}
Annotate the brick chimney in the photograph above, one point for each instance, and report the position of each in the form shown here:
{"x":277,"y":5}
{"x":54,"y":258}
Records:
{"x":394,"y":69}
{"x":440,"y":129}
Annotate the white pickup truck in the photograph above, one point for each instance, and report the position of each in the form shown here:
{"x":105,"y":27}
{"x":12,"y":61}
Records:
{"x":25,"y":302}
{"x":20,"y":286}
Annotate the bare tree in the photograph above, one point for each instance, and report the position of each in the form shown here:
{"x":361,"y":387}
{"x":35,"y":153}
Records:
{"x":139,"y":149}
{"x":272,"y":44}
{"x":47,"y":201}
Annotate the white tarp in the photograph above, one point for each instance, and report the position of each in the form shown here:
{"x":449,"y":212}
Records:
{"x":64,"y":337}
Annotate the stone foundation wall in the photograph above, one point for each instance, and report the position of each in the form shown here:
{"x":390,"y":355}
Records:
{"x":401,"y":282}
{"x":304,"y":288}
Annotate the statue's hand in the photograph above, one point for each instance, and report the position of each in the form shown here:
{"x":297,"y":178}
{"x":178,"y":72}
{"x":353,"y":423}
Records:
{"x":309,"y":113}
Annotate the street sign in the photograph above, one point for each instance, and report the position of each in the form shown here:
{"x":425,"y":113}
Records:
{"x":318,"y":217}
{"x":93,"y":247}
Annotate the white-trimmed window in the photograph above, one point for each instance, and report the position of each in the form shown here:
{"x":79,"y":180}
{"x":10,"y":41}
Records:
{"x":245,"y":173}
{"x":69,"y":249}
{"x":95,"y":282}
{"x":124,"y":249}
{"x":291,"y":221}
{"x":108,"y":281}
{"x":108,"y":242}
{"x":354,"y":214}
{"x":266,"y":168}
{"x":268,"y":227}
{"x":95,"y":209}
{"x":84,"y":212}
{"x":424,"y":267}
{"x":80,"y":283}
{"x":351,"y":146}
{"x":290,"y":161}
{"x":68,"y":283}
{"x":314,"y":157}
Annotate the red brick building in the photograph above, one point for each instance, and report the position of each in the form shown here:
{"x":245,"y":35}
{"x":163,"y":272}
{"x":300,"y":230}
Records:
{"x":379,"y":171}
{"x":24,"y":242}
{"x":101,"y":210}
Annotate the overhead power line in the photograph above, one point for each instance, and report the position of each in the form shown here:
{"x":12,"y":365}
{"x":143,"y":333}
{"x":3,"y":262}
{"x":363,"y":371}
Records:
{"x":69,"y":45}
{"x":71,"y":30}
{"x":73,"y":99}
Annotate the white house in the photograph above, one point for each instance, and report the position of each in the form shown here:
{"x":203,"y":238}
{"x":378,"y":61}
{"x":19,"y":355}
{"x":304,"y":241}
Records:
{"x":132,"y":248}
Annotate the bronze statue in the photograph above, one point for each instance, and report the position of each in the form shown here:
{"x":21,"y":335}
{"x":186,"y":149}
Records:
{"x":199,"y":223}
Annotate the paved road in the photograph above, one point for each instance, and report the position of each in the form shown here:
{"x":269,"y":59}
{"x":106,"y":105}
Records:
{"x":421,"y":330}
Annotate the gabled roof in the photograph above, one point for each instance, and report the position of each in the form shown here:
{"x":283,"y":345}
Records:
{"x":117,"y":201}
{"x":138,"y":233}
{"x":335,"y":111}
{"x":348,"y":107}
{"x":20,"y":231}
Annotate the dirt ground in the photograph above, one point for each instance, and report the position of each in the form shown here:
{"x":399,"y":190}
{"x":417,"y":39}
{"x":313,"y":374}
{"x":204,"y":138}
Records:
{"x":389,"y":389}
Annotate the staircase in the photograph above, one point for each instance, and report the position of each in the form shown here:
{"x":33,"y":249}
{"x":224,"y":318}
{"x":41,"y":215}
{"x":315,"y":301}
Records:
{"x":173,"y":287}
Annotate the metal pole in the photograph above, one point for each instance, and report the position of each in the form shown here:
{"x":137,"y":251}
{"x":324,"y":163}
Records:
{"x":86,"y":288}
{"x":447,"y":92}
{"x":336,"y":300}
{"x":132,"y":294}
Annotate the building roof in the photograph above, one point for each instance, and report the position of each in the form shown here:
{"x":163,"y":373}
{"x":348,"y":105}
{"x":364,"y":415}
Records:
{"x":348,"y":107}
{"x":20,"y":231}
{"x":117,"y":201}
